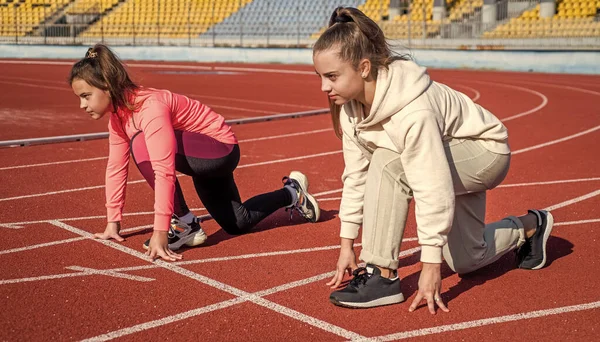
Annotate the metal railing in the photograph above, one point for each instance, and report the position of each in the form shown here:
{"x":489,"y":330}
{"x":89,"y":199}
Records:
{"x":293,"y":24}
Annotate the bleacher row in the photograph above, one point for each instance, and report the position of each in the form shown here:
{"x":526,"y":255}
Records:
{"x":185,"y":18}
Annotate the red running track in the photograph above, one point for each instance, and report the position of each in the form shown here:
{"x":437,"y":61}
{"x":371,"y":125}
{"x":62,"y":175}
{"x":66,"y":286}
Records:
{"x":56,"y":283}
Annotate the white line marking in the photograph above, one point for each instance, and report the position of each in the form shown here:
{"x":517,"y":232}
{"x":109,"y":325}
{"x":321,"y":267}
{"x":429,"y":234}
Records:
{"x":531,"y":111}
{"x":172,"y":66}
{"x":556,"y":141}
{"x":65,"y":88}
{"x":243,"y":109}
{"x":488,"y":321}
{"x":290,"y":159}
{"x":329,"y":192}
{"x":51,"y":163}
{"x":477,"y":94}
{"x":109,"y":273}
{"x":17,"y":225}
{"x":103,"y":158}
{"x":288,"y":135}
{"x":276,"y":161}
{"x":202,"y":261}
{"x":166,"y":320}
{"x":218,"y":306}
{"x":48,"y":277}
{"x":234,"y":99}
{"x":330,"y":199}
{"x":576,"y":222}
{"x":221,"y":286}
{"x":562,"y":181}
{"x":574,"y":200}
{"x":587,"y":91}
{"x":53,"y":243}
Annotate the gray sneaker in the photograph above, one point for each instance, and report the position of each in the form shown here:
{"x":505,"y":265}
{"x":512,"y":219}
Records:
{"x":306,"y":204}
{"x":181,"y":233}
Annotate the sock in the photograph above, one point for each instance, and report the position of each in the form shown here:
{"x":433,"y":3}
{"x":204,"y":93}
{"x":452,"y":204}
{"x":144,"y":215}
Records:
{"x":188,"y":218}
{"x":293,"y":192}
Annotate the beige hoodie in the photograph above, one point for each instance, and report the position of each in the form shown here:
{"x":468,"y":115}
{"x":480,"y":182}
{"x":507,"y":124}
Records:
{"x":413,"y":116}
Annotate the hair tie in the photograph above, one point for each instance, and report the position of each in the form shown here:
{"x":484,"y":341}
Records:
{"x":342,"y":19}
{"x":91,"y":53}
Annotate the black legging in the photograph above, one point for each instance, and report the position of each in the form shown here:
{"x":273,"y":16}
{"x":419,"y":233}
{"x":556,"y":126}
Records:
{"x":213,"y":180}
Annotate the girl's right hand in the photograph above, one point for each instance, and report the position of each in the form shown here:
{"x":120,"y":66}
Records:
{"x":346,"y":262}
{"x":111,"y":232}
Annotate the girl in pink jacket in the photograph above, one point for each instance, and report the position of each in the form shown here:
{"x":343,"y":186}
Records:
{"x":164,"y":133}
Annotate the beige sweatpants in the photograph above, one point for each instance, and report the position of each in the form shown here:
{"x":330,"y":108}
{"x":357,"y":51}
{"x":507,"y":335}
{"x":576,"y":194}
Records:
{"x":471,"y":243}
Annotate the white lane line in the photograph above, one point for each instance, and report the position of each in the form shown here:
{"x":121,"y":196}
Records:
{"x":16,"y":225}
{"x":234,"y":99}
{"x":65,"y":88}
{"x":51,"y":163}
{"x":46,"y":277}
{"x":518,"y":115}
{"x":172,"y":66}
{"x":221,"y":286}
{"x":217,"y":259}
{"x":316,"y":155}
{"x":109,"y":273}
{"x":488,"y":321}
{"x":47,"y":244}
{"x":573,"y":201}
{"x":103,"y":158}
{"x":288,"y":135}
{"x":244,"y":109}
{"x":276,"y":161}
{"x":165,"y":320}
{"x":563,"y":181}
{"x":587,"y":91}
{"x":330,"y":199}
{"x":556,"y":141}
{"x":576,"y":222}
{"x":218,"y":306}
{"x":477,"y":94}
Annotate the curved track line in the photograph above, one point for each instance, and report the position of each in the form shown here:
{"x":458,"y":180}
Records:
{"x":477,"y":93}
{"x":552,"y":142}
{"x":525,"y":113}
{"x":587,"y":91}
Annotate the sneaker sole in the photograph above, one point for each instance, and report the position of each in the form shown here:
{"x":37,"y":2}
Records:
{"x":549,"y":224}
{"x":389,"y":300}
{"x":312,"y":203}
{"x":199,"y":238}
{"x":190,"y":240}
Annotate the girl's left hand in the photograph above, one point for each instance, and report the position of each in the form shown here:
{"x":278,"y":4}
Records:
{"x":159,"y":247}
{"x":430,"y":285}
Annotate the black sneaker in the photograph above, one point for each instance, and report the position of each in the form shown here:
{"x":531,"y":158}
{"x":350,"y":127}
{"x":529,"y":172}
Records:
{"x":306,"y":204}
{"x":532,"y":255}
{"x":181,"y":233}
{"x":368,"y":289}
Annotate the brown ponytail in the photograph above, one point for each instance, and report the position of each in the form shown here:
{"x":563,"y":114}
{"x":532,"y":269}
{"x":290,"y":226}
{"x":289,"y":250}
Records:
{"x":357,"y":36}
{"x":102,"y":69}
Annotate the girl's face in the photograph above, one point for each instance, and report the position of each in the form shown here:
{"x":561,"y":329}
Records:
{"x":339,"y":79}
{"x":96,"y":102}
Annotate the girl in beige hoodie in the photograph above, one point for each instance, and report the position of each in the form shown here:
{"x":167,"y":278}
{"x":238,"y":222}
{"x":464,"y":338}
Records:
{"x":405,"y":136}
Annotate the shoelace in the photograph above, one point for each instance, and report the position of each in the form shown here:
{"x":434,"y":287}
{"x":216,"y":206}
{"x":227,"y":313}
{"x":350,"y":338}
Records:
{"x":360,"y":277}
{"x":298,"y":206}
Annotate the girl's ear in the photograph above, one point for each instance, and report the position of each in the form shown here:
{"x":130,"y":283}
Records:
{"x":364,"y":66}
